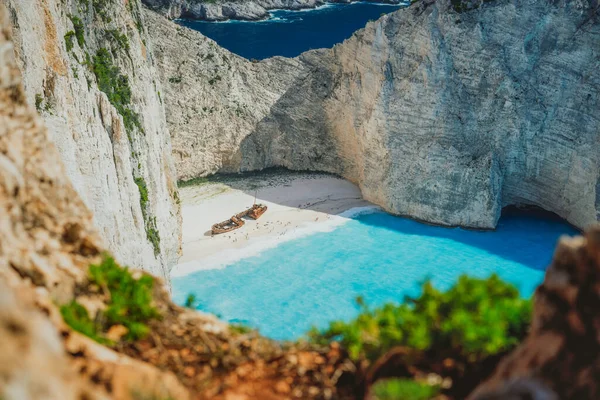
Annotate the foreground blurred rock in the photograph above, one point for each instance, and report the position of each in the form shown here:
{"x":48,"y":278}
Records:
{"x":560,"y":359}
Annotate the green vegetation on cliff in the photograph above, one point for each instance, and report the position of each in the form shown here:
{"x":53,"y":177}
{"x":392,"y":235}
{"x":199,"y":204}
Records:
{"x":129,"y":304}
{"x":150,"y":223}
{"x":79,"y":32}
{"x":473,"y":320}
{"x":116,"y":86}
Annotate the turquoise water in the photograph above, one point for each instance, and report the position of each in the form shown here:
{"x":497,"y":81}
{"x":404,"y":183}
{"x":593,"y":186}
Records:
{"x":315,"y":279}
{"x":289,"y":33}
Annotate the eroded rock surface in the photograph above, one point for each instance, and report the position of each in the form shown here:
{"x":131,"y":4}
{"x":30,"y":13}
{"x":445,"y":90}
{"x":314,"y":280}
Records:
{"x":440,"y":112}
{"x":120,"y":164}
{"x":213,"y":98}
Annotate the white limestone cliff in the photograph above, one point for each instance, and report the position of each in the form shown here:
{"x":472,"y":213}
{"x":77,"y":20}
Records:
{"x":122,"y":170}
{"x":446,"y":111}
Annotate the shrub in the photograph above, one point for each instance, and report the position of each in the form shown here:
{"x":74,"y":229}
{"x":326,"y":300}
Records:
{"x":190,"y":301}
{"x":69,"y":40}
{"x":129,"y":304}
{"x":100,"y":9}
{"x":76,"y":316}
{"x":474,"y":319}
{"x":118,"y":38}
{"x":150,"y":223}
{"x":405,"y":389}
{"x":39,"y":99}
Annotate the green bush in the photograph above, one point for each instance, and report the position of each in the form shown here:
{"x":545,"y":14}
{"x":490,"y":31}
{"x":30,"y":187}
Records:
{"x":76,"y":316}
{"x":39,"y":99}
{"x":403,"y":389}
{"x":100,"y":9}
{"x":130,"y":303}
{"x":474,"y":319}
{"x":190,"y":301}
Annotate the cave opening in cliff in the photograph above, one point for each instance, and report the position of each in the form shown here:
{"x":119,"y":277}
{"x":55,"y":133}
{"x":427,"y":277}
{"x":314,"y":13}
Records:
{"x":536,"y":212}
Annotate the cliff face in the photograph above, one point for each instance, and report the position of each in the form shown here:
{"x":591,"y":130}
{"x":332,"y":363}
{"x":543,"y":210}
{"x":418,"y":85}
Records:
{"x":87,"y":69}
{"x":444,"y":111}
{"x":213,"y":98}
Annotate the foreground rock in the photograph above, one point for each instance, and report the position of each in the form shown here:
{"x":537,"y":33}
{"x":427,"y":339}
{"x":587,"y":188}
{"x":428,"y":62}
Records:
{"x":560,"y":359}
{"x":443,"y":111}
{"x":119,"y":160}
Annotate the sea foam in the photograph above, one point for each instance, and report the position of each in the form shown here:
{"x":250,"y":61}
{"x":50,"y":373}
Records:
{"x":257,"y":245}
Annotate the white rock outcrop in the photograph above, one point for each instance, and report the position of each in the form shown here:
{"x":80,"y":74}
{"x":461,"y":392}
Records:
{"x":119,"y":160}
{"x":446,"y":111}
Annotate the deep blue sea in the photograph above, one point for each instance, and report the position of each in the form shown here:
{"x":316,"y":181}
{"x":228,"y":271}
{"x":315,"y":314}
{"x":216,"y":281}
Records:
{"x":289,"y":33}
{"x":315,"y":279}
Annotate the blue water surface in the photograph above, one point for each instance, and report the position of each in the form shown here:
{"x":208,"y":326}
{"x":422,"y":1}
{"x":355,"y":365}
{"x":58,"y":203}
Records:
{"x":315,"y":279}
{"x":289,"y":33}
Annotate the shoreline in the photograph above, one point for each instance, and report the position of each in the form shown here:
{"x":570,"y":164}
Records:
{"x":299,"y":205}
{"x":260,"y":11}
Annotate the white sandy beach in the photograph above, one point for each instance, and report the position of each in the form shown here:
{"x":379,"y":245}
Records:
{"x":298,"y":204}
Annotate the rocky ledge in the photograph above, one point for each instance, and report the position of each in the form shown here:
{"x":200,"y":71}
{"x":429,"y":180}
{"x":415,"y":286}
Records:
{"x":254,"y":10}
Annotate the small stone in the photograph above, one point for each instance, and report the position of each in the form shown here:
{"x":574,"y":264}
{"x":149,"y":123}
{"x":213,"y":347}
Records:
{"x":189,"y":371}
{"x":116,"y":332}
{"x":283,"y":387}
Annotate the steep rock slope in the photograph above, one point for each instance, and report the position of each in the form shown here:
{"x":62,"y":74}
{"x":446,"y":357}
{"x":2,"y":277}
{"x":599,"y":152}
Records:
{"x":248,"y":10}
{"x":213,"y":98}
{"x":446,"y":111}
{"x":46,"y":242}
{"x":87,"y":70}
{"x":559,"y":359}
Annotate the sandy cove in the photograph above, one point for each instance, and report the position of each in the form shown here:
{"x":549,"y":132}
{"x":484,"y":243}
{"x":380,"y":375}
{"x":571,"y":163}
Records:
{"x":299,"y":204}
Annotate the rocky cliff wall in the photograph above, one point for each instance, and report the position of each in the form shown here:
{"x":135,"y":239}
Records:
{"x":88,"y":70}
{"x":443,"y":111}
{"x":213,"y":98}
